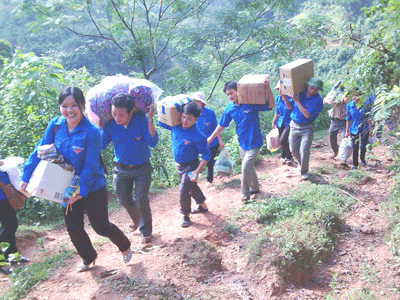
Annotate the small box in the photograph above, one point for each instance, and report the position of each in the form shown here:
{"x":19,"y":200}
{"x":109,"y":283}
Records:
{"x":169,"y":109}
{"x":49,"y":181}
{"x":252,"y":90}
{"x":293,"y":76}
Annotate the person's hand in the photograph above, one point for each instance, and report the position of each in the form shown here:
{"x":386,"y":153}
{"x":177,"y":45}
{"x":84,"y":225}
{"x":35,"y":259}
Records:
{"x":344,"y":99}
{"x":347,"y":134}
{"x":221,"y":144}
{"x":150,"y":114}
{"x":273,"y":125}
{"x":371,"y":133}
{"x":23,"y":186}
{"x":266,"y":81}
{"x":74,"y":199}
{"x":295,"y":97}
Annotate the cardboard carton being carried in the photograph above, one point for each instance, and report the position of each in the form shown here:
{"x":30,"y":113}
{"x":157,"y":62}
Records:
{"x":293,"y":76}
{"x":169,"y":109}
{"x":252,"y":90}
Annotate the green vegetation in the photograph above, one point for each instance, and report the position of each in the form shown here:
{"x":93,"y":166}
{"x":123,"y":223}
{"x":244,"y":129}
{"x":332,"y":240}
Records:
{"x":23,"y":279}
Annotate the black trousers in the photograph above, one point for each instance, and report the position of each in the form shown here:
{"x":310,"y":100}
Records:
{"x":211,"y":163}
{"x":96,"y":204}
{"x":9,"y":225}
{"x":360,"y":141}
{"x":284,"y":139}
{"x":188,"y":189}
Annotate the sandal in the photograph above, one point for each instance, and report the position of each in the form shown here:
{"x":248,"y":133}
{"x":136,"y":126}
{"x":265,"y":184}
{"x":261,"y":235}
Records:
{"x":185,"y":221}
{"x":5,"y":271}
{"x":132,"y":227}
{"x":84,"y":266}
{"x":127,"y":257}
{"x":199,"y":209}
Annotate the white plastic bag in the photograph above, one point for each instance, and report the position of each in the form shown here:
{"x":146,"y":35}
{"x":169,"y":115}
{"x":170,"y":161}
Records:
{"x":345,"y":149}
{"x":11,"y":167}
{"x":223,"y":164}
{"x":273,"y":140}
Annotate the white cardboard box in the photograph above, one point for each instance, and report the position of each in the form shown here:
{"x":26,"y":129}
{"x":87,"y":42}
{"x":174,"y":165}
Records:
{"x":49,"y":181}
{"x":169,"y":109}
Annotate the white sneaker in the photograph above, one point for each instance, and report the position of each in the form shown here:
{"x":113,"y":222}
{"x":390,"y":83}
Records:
{"x":282,"y":160}
{"x":209,"y":184}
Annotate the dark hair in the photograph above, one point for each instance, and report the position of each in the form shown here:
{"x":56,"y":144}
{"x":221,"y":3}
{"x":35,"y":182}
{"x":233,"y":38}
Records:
{"x":230,"y":85}
{"x":74,"y":92}
{"x":123,"y":100}
{"x":192,"y":109}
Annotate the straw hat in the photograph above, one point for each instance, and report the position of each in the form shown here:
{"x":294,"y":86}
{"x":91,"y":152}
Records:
{"x":199,"y":96}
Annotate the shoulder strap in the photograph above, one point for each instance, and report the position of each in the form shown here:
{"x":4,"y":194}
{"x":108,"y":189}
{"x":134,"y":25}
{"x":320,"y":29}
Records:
{"x":56,"y":126}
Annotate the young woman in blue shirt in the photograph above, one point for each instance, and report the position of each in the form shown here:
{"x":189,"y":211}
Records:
{"x":79,"y":141}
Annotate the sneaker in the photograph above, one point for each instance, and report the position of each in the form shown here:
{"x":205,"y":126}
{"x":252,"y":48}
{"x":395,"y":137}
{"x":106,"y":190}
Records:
{"x":354,"y":167}
{"x":305,"y":176}
{"x":209,"y":184}
{"x":282,"y":160}
{"x":146,"y":239}
{"x":363,"y":163}
{"x":245,"y":198}
{"x":186,"y":221}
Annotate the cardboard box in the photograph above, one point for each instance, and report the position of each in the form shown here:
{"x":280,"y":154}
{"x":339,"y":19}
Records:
{"x":169,"y":109}
{"x":252,"y":90}
{"x":49,"y":181}
{"x":293,"y":76}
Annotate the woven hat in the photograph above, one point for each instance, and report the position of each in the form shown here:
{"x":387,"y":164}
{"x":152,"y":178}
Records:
{"x":199,"y":96}
{"x":316,"y":83}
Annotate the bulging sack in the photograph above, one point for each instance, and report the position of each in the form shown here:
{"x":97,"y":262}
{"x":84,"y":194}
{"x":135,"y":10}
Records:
{"x":345,"y":149}
{"x":273,"y":140}
{"x":224,"y":164}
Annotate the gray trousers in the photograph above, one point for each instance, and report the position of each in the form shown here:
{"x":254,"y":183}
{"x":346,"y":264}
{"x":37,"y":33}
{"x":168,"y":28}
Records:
{"x":249,"y":176}
{"x":300,"y":139}
{"x":138,"y":207}
{"x":336,"y":126}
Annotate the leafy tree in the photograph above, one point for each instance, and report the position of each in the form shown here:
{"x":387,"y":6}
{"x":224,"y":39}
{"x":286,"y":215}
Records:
{"x":5,"y":51}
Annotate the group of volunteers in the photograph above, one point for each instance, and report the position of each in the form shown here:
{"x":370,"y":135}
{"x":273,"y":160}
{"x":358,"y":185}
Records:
{"x":132,"y":133}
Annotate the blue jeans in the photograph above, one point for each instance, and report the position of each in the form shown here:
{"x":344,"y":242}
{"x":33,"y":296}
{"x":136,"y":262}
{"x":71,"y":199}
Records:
{"x":138,"y":207}
{"x":300,"y":139}
{"x":96,"y":205}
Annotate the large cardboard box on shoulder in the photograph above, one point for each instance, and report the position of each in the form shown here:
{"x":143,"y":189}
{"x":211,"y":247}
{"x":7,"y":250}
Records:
{"x":49,"y":181}
{"x":293,"y":76}
{"x":252,"y":90}
{"x":169,"y":109}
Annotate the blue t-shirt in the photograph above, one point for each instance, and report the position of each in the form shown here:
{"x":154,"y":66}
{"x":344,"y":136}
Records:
{"x":4,"y":179}
{"x":313,"y":104}
{"x":188,"y":143}
{"x":283,"y":112}
{"x":80,"y":148}
{"x":358,"y":117}
{"x":207,"y":122}
{"x":131,"y":145}
{"x":247,"y":123}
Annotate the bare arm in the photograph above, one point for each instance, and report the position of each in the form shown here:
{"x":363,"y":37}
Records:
{"x":348,"y":123}
{"x":276,"y":116}
{"x":216,"y":132}
{"x":302,"y":109}
{"x":152,"y":129}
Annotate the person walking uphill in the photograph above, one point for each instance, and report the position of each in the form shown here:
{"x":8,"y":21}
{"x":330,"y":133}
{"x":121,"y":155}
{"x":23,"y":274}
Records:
{"x":358,"y":126}
{"x":207,"y":122}
{"x":187,"y":143}
{"x":282,"y":121}
{"x":132,"y":133}
{"x":307,"y":106}
{"x":249,"y":134}
{"x":79,"y":141}
{"x":338,"y":121}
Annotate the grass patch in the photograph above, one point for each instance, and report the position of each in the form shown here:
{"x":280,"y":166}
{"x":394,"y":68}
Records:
{"x":354,"y":176}
{"x":23,"y":279}
{"x":392,"y":212}
{"x":301,"y":226}
{"x":232,"y":183}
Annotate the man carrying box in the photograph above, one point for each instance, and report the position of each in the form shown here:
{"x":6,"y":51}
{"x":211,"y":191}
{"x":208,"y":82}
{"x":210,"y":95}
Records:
{"x":249,"y":134}
{"x":307,"y":106}
{"x":132,"y":134}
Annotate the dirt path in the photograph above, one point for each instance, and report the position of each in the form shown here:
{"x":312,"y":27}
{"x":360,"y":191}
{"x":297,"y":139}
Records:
{"x":171,"y":269}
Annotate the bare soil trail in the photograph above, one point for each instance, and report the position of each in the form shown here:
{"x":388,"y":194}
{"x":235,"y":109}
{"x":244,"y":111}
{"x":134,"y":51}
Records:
{"x":204,"y":261}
